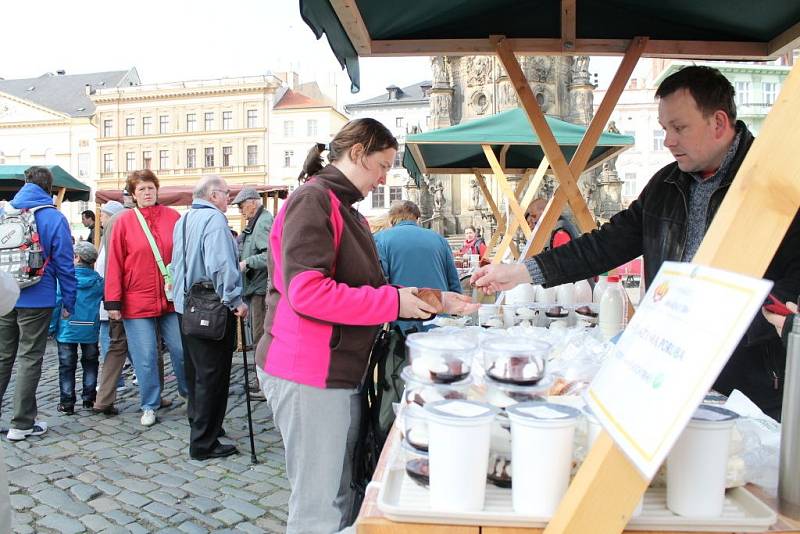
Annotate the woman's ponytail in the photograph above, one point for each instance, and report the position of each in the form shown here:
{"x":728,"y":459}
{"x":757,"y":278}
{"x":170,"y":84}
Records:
{"x":313,"y":163}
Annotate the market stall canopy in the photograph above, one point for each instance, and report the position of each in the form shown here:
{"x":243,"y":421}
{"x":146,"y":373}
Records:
{"x":12,"y":177}
{"x":712,"y":29}
{"x":179,"y":195}
{"x":458,"y":149}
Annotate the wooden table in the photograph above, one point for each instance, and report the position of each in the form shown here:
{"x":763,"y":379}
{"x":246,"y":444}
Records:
{"x":371,"y":521}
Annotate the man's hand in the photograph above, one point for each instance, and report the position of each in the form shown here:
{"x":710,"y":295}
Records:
{"x":115,"y":315}
{"x":500,"y":277}
{"x":242,"y":265}
{"x":64,"y":313}
{"x":779,"y":320}
{"x":412,"y":307}
{"x":458,"y":304}
{"x":241,"y":310}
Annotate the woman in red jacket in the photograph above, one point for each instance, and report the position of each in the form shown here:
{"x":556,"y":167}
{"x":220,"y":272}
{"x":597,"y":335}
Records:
{"x":325,"y":305}
{"x":138,"y":288}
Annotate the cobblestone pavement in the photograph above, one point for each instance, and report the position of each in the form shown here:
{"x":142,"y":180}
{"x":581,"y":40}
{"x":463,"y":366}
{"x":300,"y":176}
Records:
{"x":93,"y":473}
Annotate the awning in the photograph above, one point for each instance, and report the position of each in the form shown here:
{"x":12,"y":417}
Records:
{"x":711,"y":29}
{"x":178,"y":195}
{"x":12,"y":177}
{"x":458,"y":149}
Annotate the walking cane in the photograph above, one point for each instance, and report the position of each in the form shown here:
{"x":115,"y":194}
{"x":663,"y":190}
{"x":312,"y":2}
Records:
{"x":253,"y":459}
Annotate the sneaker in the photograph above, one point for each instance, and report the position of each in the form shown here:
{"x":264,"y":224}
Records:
{"x":15,"y":434}
{"x":148,"y":418}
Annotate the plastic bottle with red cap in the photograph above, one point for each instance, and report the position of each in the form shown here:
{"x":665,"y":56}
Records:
{"x":613,"y":309}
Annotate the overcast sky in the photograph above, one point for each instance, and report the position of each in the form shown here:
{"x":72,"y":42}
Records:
{"x":172,"y":40}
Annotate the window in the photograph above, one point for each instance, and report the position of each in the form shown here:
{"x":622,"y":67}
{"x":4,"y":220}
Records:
{"x":163,"y":124}
{"x":395,"y":193}
{"x":398,"y":122}
{"x":769,"y":91}
{"x":130,"y":161}
{"x":163,"y":159}
{"x":252,"y":118}
{"x":227,"y":120}
{"x":106,"y":128}
{"x":191,"y":158}
{"x":379,"y":196}
{"x":288,"y":128}
{"x":226,"y":156}
{"x":129,"y":126}
{"x":630,"y":185}
{"x":742,"y":93}
{"x":311,"y":127}
{"x":147,"y":125}
{"x":252,"y":154}
{"x":108,"y":162}
{"x":658,"y":139}
{"x":191,"y":122}
{"x":209,"y":121}
{"x":147,"y":159}
{"x":398,"y":159}
{"x":287,"y":158}
{"x":209,"y":157}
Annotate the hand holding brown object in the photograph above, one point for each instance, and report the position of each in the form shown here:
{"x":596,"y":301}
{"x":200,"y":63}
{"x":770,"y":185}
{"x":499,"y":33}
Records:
{"x":432,"y":297}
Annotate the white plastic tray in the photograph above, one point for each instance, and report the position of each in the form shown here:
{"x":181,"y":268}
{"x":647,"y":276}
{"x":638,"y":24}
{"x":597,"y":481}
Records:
{"x":401,"y":499}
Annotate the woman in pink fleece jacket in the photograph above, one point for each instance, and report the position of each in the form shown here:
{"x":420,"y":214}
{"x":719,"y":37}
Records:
{"x":327,"y":301}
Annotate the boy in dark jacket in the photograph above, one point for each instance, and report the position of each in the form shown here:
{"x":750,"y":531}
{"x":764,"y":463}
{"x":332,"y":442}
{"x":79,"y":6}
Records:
{"x":81,"y":328}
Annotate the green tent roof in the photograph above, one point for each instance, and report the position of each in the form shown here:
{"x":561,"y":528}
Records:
{"x":12,"y":177}
{"x":745,"y":29}
{"x":457,"y":150}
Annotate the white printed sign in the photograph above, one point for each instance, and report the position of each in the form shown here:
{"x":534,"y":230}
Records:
{"x":680,"y":338}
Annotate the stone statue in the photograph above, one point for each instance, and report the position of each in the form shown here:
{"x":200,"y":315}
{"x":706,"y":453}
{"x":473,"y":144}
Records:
{"x":442,"y":107}
{"x":580,"y":70}
{"x":479,"y":71}
{"x":437,"y":189}
{"x":476,"y":194}
{"x":412,"y":191}
{"x":612,"y":127}
{"x":508,"y":97}
{"x":539,"y":69}
{"x":439,"y":68}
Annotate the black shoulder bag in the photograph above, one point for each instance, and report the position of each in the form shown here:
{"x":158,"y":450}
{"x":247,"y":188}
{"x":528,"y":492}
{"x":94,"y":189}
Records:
{"x":204,"y":314}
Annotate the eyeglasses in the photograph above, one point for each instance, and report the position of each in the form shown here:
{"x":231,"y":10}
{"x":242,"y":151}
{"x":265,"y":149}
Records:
{"x":226,"y":192}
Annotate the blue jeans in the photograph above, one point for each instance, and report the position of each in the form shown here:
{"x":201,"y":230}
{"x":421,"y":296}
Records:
{"x":143,"y":347}
{"x":105,"y":342}
{"x":68,"y":363}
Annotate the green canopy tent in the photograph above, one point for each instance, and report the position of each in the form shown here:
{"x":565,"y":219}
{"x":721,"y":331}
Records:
{"x":66,"y":186}
{"x":462,"y":149}
{"x":458,"y":149}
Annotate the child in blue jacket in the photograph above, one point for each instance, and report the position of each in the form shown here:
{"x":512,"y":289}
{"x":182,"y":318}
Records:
{"x":81,"y":328}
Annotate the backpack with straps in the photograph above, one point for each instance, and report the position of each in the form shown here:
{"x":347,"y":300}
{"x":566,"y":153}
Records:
{"x":21,"y":252}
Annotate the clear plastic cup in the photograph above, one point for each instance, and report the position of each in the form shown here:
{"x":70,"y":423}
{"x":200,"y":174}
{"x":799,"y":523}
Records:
{"x":441,"y":358}
{"x":515,"y":359}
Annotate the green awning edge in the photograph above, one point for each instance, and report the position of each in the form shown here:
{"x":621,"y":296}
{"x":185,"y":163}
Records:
{"x":322,"y":19}
{"x":12,"y":177}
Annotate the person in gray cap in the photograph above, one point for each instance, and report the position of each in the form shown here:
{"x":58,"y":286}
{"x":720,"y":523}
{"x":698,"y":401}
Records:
{"x":253,"y":251}
{"x":80,"y":329}
{"x":108,"y":210}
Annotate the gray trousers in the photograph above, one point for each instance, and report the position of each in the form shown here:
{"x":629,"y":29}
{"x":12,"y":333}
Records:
{"x":23,"y":339}
{"x":319,"y":428}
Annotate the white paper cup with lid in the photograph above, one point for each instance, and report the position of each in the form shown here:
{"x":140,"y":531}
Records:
{"x":458,"y":453}
{"x":542,"y":436}
{"x":697,"y":464}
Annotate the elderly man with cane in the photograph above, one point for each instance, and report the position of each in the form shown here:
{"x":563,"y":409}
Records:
{"x":208,"y":295}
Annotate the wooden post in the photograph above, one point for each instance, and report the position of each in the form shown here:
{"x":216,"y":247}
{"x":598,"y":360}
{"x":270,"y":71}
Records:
{"x":98,"y":228}
{"x":759,"y":207}
{"x":513,"y":204}
{"x":60,"y":196}
{"x":275,"y":205}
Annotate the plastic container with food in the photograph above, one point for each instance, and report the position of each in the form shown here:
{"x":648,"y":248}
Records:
{"x":515,"y":360}
{"x":441,"y":358}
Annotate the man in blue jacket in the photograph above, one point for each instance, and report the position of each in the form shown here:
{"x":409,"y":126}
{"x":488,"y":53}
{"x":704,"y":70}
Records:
{"x":23,"y":331}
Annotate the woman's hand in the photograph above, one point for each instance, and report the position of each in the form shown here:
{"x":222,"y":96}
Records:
{"x":114,"y":315}
{"x":458,"y":304}
{"x":500,"y":277}
{"x":412,"y":307}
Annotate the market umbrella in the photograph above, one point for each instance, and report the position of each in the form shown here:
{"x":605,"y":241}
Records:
{"x":458,"y":149}
{"x":12,"y":177}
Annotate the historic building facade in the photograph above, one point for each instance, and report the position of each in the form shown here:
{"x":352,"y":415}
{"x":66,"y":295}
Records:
{"x":183,"y":130}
